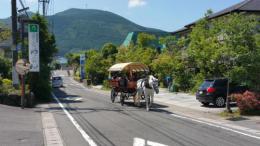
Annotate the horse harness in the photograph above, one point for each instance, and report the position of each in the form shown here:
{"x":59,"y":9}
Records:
{"x":146,"y":83}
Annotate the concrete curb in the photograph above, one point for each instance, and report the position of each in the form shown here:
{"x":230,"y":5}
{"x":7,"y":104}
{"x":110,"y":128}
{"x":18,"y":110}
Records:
{"x":51,"y":133}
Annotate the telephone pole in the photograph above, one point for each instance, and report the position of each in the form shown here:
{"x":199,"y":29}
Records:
{"x":44,"y":4}
{"x":14,"y":43}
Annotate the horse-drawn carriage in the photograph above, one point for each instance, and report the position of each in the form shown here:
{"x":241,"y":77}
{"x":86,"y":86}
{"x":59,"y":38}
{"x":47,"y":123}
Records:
{"x":124,"y":79}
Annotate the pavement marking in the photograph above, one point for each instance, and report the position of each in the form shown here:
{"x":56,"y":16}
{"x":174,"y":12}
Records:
{"x":51,"y":132}
{"x":151,"y":143}
{"x":75,"y":123}
{"x":73,"y":98}
{"x":214,"y":125}
{"x":139,"y":142}
{"x":142,"y":142}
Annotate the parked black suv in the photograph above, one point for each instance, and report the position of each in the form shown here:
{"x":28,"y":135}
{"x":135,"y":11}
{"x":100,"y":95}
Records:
{"x":215,"y":91}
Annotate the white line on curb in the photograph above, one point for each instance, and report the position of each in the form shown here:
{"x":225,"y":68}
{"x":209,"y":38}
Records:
{"x":213,"y":125}
{"x":75,"y":123}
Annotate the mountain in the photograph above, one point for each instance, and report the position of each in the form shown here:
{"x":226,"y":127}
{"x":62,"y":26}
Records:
{"x":78,"y":29}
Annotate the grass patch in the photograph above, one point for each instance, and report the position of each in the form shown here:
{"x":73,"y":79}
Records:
{"x":105,"y":88}
{"x":237,"y":115}
{"x":234,"y":114}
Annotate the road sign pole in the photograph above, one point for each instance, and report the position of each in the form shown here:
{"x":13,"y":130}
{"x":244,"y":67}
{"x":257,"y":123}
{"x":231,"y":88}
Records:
{"x":22,"y":68}
{"x":23,"y":91}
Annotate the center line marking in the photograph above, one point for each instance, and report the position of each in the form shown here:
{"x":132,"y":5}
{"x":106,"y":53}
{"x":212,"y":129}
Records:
{"x":75,"y":123}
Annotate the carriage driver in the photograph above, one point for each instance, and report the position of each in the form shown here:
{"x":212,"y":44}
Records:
{"x":123,"y":82}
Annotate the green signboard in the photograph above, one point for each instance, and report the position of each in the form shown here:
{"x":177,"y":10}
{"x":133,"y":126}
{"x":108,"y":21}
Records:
{"x":33,"y":27}
{"x":34,"y":51}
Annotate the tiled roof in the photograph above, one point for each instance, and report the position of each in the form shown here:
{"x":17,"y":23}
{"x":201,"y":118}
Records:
{"x":246,"y":5}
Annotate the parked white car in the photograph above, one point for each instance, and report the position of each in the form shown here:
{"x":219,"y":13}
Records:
{"x":57,"y":82}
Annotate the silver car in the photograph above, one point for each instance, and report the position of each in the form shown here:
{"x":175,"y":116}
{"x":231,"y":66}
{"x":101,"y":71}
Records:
{"x":57,"y":82}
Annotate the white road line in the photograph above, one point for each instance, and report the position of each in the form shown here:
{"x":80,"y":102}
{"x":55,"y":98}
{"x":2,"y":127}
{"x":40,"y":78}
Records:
{"x":142,"y":142}
{"x":75,"y":123}
{"x":214,"y":125}
{"x":139,"y":142}
{"x":151,"y":143}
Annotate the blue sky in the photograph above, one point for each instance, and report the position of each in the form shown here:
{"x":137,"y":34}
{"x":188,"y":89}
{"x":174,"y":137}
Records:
{"x":168,"y":15}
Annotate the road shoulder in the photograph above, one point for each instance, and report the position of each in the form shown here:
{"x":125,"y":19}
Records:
{"x":52,"y":136}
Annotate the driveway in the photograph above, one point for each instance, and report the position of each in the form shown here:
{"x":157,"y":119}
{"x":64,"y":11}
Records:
{"x":186,"y":100}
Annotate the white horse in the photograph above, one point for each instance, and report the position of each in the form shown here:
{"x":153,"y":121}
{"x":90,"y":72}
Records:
{"x":146,"y":87}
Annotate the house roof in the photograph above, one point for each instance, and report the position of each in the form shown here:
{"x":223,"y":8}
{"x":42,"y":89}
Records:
{"x":244,"y":6}
{"x":247,"y":5}
{"x":180,"y":30}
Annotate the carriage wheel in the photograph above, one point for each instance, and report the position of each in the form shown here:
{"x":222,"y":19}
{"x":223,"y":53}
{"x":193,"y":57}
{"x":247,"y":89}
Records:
{"x":113,"y":95}
{"x":122,"y":99}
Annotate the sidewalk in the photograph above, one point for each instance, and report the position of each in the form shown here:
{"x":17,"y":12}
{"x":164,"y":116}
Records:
{"x":21,"y":127}
{"x":186,"y":104}
{"x":186,"y":100}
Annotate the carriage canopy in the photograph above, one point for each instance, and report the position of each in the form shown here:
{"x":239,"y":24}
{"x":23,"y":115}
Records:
{"x":129,"y":67}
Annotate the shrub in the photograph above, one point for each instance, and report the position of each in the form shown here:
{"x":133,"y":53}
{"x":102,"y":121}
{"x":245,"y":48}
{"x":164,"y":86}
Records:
{"x":1,"y":84}
{"x":7,"y":82}
{"x":6,"y":86}
{"x":248,"y":102}
{"x":106,"y":84}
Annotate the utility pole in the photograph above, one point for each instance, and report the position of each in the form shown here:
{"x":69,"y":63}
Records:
{"x":228,"y":98}
{"x":44,"y":3}
{"x":14,"y":43}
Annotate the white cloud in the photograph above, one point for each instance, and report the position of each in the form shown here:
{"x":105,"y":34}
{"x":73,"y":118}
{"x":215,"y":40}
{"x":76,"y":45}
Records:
{"x":136,"y":3}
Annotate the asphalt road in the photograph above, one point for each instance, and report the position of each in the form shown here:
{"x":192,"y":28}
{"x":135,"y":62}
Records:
{"x":110,"y":124}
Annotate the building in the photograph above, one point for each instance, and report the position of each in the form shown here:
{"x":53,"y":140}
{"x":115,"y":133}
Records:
{"x":246,"y":7}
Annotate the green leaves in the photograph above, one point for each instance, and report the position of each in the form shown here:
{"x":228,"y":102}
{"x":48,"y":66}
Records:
{"x":5,"y":33}
{"x":5,"y":67}
{"x":226,"y":46}
{"x":40,"y":82}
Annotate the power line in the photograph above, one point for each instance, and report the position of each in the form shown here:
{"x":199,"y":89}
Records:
{"x":24,"y":9}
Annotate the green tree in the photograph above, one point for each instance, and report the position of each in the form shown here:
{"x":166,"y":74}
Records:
{"x":109,"y":50}
{"x":40,"y":82}
{"x":73,"y":60}
{"x":5,"y":33}
{"x":95,"y":69}
{"x":5,"y":67}
{"x":5,"y":64}
{"x":170,"y":43}
{"x":226,"y":47}
{"x":146,"y":40}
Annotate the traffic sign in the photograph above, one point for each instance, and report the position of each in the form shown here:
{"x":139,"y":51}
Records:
{"x":82,"y":66}
{"x":22,"y":67}
{"x":34,"y":52}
